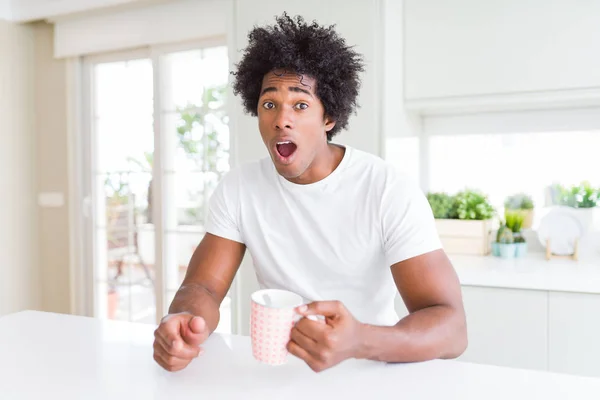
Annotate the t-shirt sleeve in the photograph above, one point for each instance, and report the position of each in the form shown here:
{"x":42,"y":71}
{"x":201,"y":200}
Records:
{"x":407,"y":220}
{"x":223,"y":209}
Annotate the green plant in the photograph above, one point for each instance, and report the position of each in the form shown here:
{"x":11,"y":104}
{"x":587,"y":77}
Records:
{"x":473,"y":205}
{"x":505,"y":235}
{"x":519,"y":201}
{"x":518,"y":238}
{"x":578,"y":196}
{"x":443,"y":205}
{"x":514,"y":220}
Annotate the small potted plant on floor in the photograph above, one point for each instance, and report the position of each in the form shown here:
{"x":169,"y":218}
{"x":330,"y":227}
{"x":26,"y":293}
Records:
{"x":522,"y":203}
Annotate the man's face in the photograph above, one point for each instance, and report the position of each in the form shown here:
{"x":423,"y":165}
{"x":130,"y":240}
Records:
{"x":292,"y":123}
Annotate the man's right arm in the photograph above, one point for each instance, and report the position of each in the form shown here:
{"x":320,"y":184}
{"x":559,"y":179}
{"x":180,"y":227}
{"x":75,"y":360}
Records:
{"x":210,"y":274}
{"x":194,"y":312}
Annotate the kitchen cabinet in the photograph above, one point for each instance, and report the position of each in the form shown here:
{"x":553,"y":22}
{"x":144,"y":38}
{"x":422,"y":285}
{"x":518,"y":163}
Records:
{"x":506,"y":327}
{"x":470,"y":48}
{"x":574,"y":333}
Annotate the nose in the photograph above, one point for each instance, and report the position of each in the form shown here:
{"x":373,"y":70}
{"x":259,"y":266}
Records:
{"x":284,"y":119}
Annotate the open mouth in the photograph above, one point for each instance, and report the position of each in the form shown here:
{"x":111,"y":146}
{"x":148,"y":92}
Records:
{"x":286,"y":148}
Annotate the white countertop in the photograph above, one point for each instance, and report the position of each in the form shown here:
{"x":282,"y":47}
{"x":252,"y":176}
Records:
{"x":48,"y":356}
{"x":531,"y":272}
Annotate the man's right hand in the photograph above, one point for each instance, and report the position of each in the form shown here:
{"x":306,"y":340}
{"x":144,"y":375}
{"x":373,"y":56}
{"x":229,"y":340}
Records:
{"x":177,"y":340}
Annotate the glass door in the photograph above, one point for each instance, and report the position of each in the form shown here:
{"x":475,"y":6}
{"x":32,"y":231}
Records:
{"x":122,"y":147}
{"x":158,"y":146}
{"x":195,"y":154}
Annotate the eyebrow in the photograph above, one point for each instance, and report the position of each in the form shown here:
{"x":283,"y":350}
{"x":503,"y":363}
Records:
{"x":291,"y":89}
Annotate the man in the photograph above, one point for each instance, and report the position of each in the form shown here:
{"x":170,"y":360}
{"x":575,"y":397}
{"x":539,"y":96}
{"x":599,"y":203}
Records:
{"x":329,"y":222}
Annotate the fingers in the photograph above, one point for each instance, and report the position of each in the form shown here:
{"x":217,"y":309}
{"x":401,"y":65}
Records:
{"x":194,"y":331}
{"x":305,"y":342}
{"x":178,"y":348}
{"x":172,"y":351}
{"x":168,"y":362}
{"x":315,"y":338}
{"x":329,"y":309}
{"x":184,"y":327}
{"x":169,"y":328}
{"x":314,"y":330}
{"x":304,"y":355}
{"x":197,"y":325}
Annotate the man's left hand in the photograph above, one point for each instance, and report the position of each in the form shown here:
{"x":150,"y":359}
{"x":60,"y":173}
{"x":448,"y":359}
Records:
{"x":323,"y":344}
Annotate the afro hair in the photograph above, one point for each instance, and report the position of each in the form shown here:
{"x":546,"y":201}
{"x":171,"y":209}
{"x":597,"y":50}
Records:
{"x":306,"y":49}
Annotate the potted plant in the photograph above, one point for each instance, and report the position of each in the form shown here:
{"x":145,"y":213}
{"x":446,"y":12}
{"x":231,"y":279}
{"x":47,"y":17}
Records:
{"x":473,"y":205}
{"x":583,"y":199}
{"x":521,"y":202}
{"x":504,"y":246}
{"x":579,"y":196}
{"x":443,"y":205}
{"x":463,"y":221}
{"x":514,"y":221}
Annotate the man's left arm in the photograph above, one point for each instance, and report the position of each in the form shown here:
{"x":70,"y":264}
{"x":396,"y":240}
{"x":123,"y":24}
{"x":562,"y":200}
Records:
{"x":435,"y":327}
{"x":426,"y":281}
{"x":436,"y":324}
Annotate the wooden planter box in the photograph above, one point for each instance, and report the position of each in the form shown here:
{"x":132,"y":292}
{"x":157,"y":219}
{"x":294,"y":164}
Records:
{"x":465,"y":236}
{"x":528,"y":222}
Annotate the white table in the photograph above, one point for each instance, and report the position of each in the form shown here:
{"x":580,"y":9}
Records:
{"x":50,"y":356}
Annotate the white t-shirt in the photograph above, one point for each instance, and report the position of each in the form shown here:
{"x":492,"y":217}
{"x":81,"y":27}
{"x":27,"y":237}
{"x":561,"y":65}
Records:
{"x":331,"y":240}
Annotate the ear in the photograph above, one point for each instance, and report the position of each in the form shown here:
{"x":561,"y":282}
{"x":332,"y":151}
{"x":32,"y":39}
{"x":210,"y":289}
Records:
{"x":329,"y":124}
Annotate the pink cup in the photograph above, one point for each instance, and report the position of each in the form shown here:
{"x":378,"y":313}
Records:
{"x":271,"y":322}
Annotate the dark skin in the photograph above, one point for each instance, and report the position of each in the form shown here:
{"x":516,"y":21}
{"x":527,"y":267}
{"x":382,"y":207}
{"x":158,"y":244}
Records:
{"x":289,"y":109}
{"x":194,"y":312}
{"x":435,"y":327}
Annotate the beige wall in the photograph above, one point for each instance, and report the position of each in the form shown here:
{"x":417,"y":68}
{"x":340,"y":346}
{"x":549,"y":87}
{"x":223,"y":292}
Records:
{"x":52,"y":170}
{"x":19,"y":255}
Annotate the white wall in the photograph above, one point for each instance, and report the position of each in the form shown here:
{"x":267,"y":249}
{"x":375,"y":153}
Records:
{"x":52,"y":171}
{"x":5,"y":10}
{"x":474,"y":47}
{"x":19,"y":267}
{"x":396,"y":120}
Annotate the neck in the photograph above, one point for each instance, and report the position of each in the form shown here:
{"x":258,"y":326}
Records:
{"x":325,"y":162}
